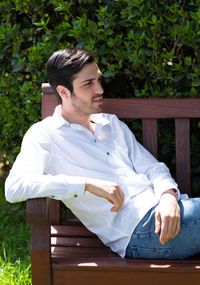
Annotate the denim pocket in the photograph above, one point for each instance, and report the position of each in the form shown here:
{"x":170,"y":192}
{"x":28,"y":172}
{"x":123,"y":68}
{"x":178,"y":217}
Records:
{"x":142,"y":252}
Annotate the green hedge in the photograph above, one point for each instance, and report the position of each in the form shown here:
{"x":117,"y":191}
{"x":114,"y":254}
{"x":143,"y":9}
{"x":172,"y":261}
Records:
{"x":145,"y":48}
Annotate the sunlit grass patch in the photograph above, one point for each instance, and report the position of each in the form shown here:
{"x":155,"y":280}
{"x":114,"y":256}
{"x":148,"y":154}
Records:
{"x":17,"y":273}
{"x":14,"y":243}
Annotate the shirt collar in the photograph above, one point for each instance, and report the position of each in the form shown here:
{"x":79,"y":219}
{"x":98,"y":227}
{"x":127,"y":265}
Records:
{"x":59,"y":121}
{"x":99,"y":119}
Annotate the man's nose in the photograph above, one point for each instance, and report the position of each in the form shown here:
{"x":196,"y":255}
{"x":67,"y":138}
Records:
{"x":99,"y":88}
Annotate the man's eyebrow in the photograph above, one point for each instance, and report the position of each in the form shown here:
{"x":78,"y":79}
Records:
{"x":91,"y":79}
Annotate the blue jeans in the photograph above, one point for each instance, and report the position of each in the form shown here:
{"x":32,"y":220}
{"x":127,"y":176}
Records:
{"x":145,"y":243}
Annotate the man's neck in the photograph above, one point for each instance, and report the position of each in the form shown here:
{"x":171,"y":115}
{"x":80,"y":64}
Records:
{"x":79,"y":120}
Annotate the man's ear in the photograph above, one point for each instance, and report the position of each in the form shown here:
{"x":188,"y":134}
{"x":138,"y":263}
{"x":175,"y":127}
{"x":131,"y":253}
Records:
{"x":63,"y":92}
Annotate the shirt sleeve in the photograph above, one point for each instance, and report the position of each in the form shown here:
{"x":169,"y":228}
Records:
{"x":28,"y":178}
{"x":145,"y":163}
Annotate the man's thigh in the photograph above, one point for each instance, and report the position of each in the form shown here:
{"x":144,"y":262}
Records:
{"x":145,"y":243}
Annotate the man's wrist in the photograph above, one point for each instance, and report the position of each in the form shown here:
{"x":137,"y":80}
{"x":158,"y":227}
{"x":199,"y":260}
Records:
{"x":172,"y":192}
{"x":87,"y":185}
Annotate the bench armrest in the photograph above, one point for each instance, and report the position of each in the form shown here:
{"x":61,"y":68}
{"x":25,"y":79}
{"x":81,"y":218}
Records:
{"x":37,"y":211}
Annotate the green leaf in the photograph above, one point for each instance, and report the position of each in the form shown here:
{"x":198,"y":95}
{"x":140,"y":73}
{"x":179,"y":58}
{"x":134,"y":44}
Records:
{"x":196,"y":83}
{"x":109,"y":73}
{"x":92,"y":26}
{"x":178,"y":77}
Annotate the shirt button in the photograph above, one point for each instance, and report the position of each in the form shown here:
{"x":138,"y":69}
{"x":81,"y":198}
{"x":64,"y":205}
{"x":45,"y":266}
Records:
{"x":107,"y":153}
{"x":75,"y":195}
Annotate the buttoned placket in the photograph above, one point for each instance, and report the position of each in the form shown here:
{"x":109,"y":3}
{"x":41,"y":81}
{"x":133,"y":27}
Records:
{"x":95,"y":140}
{"x":93,"y":136}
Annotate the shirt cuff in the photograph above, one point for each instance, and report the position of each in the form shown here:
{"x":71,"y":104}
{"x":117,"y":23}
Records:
{"x":161,"y":186}
{"x":75,"y":187}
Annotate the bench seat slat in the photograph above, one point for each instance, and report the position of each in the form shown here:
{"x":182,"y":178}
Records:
{"x":76,"y":255}
{"x":119,"y":277}
{"x":76,"y":252}
{"x":76,"y":242}
{"x":115,"y":263}
{"x":67,"y":231}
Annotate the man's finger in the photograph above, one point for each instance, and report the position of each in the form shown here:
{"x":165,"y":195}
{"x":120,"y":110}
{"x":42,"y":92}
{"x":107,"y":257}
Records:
{"x":177,"y":228}
{"x":157,"y":222}
{"x":120,"y":196}
{"x":169,"y":229}
{"x":164,"y":234}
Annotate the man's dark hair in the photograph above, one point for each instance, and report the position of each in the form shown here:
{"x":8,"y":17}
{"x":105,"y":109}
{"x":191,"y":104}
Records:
{"x":63,"y":65}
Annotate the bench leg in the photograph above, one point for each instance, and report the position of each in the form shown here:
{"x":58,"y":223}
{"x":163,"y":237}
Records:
{"x":40,"y":255}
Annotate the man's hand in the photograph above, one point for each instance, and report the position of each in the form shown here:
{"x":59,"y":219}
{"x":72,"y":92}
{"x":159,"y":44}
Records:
{"x":108,"y":190}
{"x":167,"y":217}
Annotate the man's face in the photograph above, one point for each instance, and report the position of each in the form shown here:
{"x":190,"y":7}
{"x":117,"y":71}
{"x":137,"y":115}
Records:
{"x":87,"y":98}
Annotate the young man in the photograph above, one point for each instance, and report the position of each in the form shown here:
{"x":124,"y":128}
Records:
{"x":93,"y":163}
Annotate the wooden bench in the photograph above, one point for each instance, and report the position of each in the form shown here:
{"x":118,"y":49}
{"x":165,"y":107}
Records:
{"x":66,"y":253}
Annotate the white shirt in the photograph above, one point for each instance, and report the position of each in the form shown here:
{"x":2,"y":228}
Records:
{"x":56,"y":157}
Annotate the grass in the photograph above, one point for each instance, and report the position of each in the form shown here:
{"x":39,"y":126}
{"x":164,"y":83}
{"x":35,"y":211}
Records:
{"x":14,"y":243}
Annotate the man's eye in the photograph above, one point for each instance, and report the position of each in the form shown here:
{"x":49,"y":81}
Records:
{"x":87,"y":83}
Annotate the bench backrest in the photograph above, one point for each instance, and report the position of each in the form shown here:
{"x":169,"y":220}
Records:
{"x":149,"y":110}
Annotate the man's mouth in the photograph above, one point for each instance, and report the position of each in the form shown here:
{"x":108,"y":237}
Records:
{"x":98,"y":100}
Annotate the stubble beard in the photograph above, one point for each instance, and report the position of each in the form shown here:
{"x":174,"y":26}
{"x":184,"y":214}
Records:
{"x":81,"y":109}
